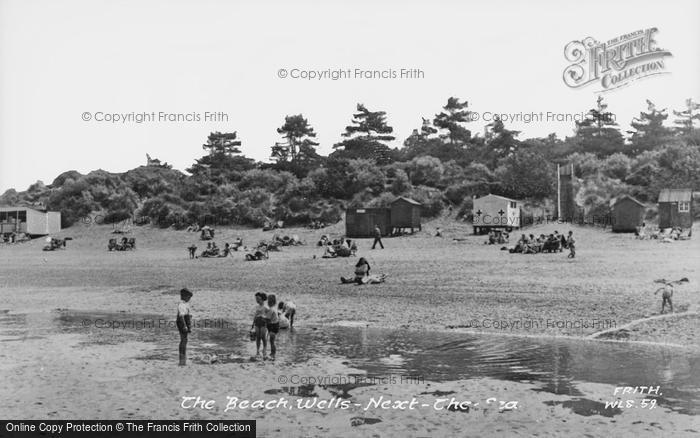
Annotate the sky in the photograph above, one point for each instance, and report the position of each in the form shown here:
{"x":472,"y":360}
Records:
{"x":64,"y":62}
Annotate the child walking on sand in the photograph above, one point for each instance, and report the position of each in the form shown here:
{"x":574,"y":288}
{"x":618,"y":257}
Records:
{"x":260,"y":315}
{"x":184,"y":323}
{"x":273,"y":324}
{"x":571,"y":243}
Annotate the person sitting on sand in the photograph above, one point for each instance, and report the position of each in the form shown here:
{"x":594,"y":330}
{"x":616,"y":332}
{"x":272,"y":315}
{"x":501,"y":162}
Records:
{"x":362,"y":269}
{"x":260,"y":314}
{"x":227,"y":250}
{"x":289,"y":309}
{"x":257,"y":255}
{"x":438,"y":232}
{"x":237,"y":244}
{"x":564,"y":243}
{"x":329,"y":252}
{"x":184,"y":323}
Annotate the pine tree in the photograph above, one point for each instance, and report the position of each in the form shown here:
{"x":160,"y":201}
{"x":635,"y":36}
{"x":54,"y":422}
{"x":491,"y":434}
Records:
{"x":451,"y":119}
{"x":598,"y":132}
{"x":501,"y":141}
{"x":649,"y":130}
{"x":223,"y":157}
{"x":299,"y":144}
{"x":366,"y":135}
{"x":686,"y":118}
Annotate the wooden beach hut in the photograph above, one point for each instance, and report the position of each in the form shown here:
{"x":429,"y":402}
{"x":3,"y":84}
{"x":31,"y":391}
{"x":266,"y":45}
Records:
{"x":405,"y":214}
{"x":627,"y":214}
{"x":676,"y":208}
{"x":360,"y":222}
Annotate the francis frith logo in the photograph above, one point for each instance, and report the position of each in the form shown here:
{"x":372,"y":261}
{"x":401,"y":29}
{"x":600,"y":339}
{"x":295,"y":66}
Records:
{"x":616,"y":62}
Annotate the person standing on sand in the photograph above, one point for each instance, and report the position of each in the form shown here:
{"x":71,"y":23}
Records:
{"x":184,"y":323}
{"x":571,"y":243}
{"x":260,"y":314}
{"x":377,"y":237}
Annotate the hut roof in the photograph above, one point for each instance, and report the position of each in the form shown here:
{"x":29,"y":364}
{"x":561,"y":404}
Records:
{"x":23,"y":207}
{"x":499,"y":197}
{"x":409,"y":200}
{"x":614,"y":201}
{"x":675,"y":195}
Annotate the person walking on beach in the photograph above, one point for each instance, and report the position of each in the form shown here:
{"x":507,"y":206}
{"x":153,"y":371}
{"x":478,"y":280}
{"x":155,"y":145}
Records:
{"x":184,"y":323}
{"x":273,"y":324}
{"x":192,"y":250}
{"x":377,"y":237}
{"x":571,"y":243}
{"x":260,"y":315}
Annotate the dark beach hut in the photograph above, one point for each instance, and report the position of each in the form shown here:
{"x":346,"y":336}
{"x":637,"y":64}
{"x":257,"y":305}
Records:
{"x":627,"y":214}
{"x":360,"y":222}
{"x":676,"y":208}
{"x":405,"y":214}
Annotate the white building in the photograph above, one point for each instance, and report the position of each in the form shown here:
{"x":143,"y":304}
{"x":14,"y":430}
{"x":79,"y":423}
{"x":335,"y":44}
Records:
{"x":495,"y":212}
{"x":29,"y":221}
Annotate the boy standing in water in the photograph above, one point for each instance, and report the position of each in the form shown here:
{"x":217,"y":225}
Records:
{"x":184,"y":323}
{"x":273,"y":324}
{"x":260,"y":315}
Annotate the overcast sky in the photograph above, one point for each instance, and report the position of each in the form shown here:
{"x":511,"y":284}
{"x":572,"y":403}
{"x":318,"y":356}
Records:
{"x":60,"y":59}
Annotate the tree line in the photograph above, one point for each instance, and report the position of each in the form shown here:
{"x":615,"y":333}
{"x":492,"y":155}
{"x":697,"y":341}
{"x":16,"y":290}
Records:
{"x":442,"y":164}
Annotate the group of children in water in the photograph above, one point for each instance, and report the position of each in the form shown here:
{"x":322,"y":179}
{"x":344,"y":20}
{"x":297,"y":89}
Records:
{"x":269,"y":317}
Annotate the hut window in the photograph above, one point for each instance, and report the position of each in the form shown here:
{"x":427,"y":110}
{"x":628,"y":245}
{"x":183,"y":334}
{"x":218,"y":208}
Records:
{"x":684,"y":207}
{"x":512,"y":204}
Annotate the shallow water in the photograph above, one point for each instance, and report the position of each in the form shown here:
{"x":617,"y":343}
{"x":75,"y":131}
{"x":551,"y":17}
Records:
{"x":553,"y":365}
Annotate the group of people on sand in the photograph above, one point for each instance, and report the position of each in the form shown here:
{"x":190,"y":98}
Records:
{"x":497,"y":237}
{"x":665,"y":235}
{"x":269,"y":317}
{"x":212,"y":250}
{"x":554,"y":242}
{"x":342,"y":247}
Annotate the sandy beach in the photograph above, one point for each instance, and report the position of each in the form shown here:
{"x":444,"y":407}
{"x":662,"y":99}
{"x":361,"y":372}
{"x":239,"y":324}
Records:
{"x":437,"y":288}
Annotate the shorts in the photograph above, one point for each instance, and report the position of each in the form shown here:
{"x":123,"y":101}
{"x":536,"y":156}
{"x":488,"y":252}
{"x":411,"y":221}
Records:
{"x":259,"y":322}
{"x":273,"y":328}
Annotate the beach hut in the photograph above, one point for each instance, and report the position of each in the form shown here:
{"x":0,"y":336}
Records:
{"x":360,"y":222}
{"x":676,"y":208}
{"x":495,"y":212}
{"x":627,"y":214}
{"x":28,"y":220}
{"x":405,"y":214}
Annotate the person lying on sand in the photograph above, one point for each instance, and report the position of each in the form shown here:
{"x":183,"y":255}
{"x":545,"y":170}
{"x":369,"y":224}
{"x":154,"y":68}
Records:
{"x":667,"y":291}
{"x":257,"y":255}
